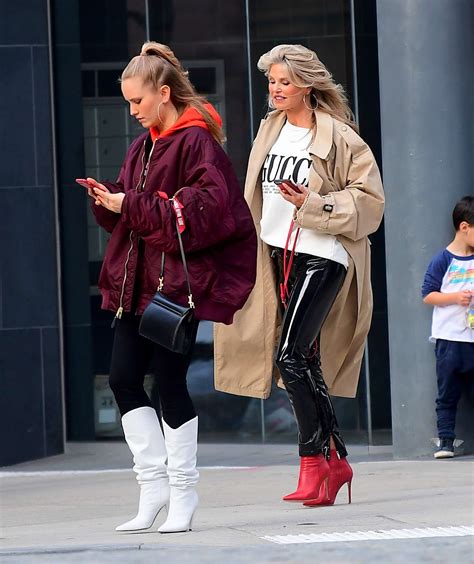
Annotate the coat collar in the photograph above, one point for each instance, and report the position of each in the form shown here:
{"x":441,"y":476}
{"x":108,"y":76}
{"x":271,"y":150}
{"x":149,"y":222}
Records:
{"x":322,"y":142}
{"x":267,"y":135}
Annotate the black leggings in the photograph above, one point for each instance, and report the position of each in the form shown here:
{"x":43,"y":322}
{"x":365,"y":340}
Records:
{"x":132,"y":355}
{"x":314,"y":285}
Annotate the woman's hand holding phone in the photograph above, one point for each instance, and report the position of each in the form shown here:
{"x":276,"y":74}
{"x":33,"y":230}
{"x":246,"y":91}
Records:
{"x":83,"y":182}
{"x":103,"y":196}
{"x":294,"y":193}
{"x":92,"y":186}
{"x":283,"y":182}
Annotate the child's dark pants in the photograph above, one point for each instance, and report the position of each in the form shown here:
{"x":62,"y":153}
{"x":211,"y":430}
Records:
{"x":455,"y":370}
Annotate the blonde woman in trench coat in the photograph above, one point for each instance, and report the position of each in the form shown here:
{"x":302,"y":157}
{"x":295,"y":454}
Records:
{"x":317,"y":339}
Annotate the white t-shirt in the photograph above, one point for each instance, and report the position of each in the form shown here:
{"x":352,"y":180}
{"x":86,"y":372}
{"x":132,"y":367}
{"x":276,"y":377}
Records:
{"x":449,"y":273}
{"x":289,"y":158}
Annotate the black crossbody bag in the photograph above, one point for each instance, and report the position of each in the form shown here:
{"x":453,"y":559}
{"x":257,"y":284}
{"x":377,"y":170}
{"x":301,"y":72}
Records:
{"x":167,"y":323}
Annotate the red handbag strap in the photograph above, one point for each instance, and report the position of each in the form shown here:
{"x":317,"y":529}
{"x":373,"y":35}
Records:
{"x":180,"y":227}
{"x":284,"y":293}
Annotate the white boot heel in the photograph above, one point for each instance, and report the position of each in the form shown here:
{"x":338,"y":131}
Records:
{"x":145,"y":439}
{"x":181,"y":445}
{"x":183,"y":506}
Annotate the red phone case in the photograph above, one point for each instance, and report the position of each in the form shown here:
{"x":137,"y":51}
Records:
{"x":83,"y":182}
{"x":279,"y":183}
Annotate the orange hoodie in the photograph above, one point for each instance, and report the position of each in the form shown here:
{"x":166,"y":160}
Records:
{"x":190,"y":117}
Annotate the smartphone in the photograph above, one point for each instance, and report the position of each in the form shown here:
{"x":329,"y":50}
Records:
{"x":280,"y":181}
{"x":83,"y":182}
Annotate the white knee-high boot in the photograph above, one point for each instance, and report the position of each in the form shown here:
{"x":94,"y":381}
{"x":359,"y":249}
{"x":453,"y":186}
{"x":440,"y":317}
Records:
{"x":181,"y":444}
{"x":145,"y":439}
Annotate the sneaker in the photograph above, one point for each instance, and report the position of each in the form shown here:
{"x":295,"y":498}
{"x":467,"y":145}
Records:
{"x":446,"y":449}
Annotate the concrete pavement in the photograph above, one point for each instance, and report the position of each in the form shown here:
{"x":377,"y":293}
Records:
{"x":65,"y":508}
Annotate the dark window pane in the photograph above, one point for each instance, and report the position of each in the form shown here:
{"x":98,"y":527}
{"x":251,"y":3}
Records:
{"x":88,"y":84}
{"x":108,"y":81}
{"x":203,"y":79}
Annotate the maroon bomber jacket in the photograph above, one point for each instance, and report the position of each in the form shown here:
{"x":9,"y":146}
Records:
{"x":219,"y":238}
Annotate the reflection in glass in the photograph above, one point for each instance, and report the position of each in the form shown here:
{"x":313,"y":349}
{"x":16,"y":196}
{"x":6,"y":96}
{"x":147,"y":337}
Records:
{"x":211,"y":40}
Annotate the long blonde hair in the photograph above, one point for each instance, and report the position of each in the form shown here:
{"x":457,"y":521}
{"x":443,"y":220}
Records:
{"x":305,"y":70}
{"x":157,"y":65}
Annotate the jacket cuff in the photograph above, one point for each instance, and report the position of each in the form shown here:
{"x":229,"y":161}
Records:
{"x":315,"y":212}
{"x":125,"y":213}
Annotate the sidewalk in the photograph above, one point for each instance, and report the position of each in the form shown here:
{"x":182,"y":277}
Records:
{"x":65,"y":508}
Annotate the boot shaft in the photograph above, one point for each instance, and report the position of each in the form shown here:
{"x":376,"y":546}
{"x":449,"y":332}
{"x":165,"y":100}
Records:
{"x":145,"y":439}
{"x":181,"y":445}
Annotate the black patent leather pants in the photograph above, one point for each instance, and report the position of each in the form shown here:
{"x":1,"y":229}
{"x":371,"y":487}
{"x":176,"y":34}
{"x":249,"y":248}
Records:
{"x":313,"y":285}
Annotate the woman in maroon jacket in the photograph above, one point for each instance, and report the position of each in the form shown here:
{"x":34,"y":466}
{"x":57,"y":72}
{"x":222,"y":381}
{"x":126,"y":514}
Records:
{"x":179,"y":157}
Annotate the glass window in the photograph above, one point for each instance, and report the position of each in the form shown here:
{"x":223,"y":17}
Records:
{"x":220,"y":49}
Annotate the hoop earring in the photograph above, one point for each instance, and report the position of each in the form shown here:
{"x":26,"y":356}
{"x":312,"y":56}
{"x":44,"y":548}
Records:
{"x":160,"y":119}
{"x":158,"y":112}
{"x":159,"y":115}
{"x":311,"y":109}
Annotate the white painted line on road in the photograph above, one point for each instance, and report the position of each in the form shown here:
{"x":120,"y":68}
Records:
{"x":54,"y":473}
{"x":394,"y":462}
{"x":229,"y":467}
{"x":391,"y":534}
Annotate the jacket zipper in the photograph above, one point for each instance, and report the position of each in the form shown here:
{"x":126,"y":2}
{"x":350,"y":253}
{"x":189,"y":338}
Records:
{"x":139,"y":188}
{"x":143,"y":165}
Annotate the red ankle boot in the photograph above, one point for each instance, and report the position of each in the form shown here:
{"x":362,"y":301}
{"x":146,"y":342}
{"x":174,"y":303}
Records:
{"x":340,"y":473}
{"x":313,"y":479}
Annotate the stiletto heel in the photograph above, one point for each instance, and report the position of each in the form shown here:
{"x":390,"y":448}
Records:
{"x":340,"y":473}
{"x":325,"y":488}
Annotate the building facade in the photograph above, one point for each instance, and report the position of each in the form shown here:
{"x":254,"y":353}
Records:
{"x":63,"y":117}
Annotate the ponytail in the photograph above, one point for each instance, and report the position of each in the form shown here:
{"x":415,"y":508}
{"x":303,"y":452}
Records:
{"x":157,"y":65}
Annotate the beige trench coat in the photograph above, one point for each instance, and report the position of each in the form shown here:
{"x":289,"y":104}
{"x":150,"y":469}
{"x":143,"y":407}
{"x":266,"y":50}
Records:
{"x":345,"y":174}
